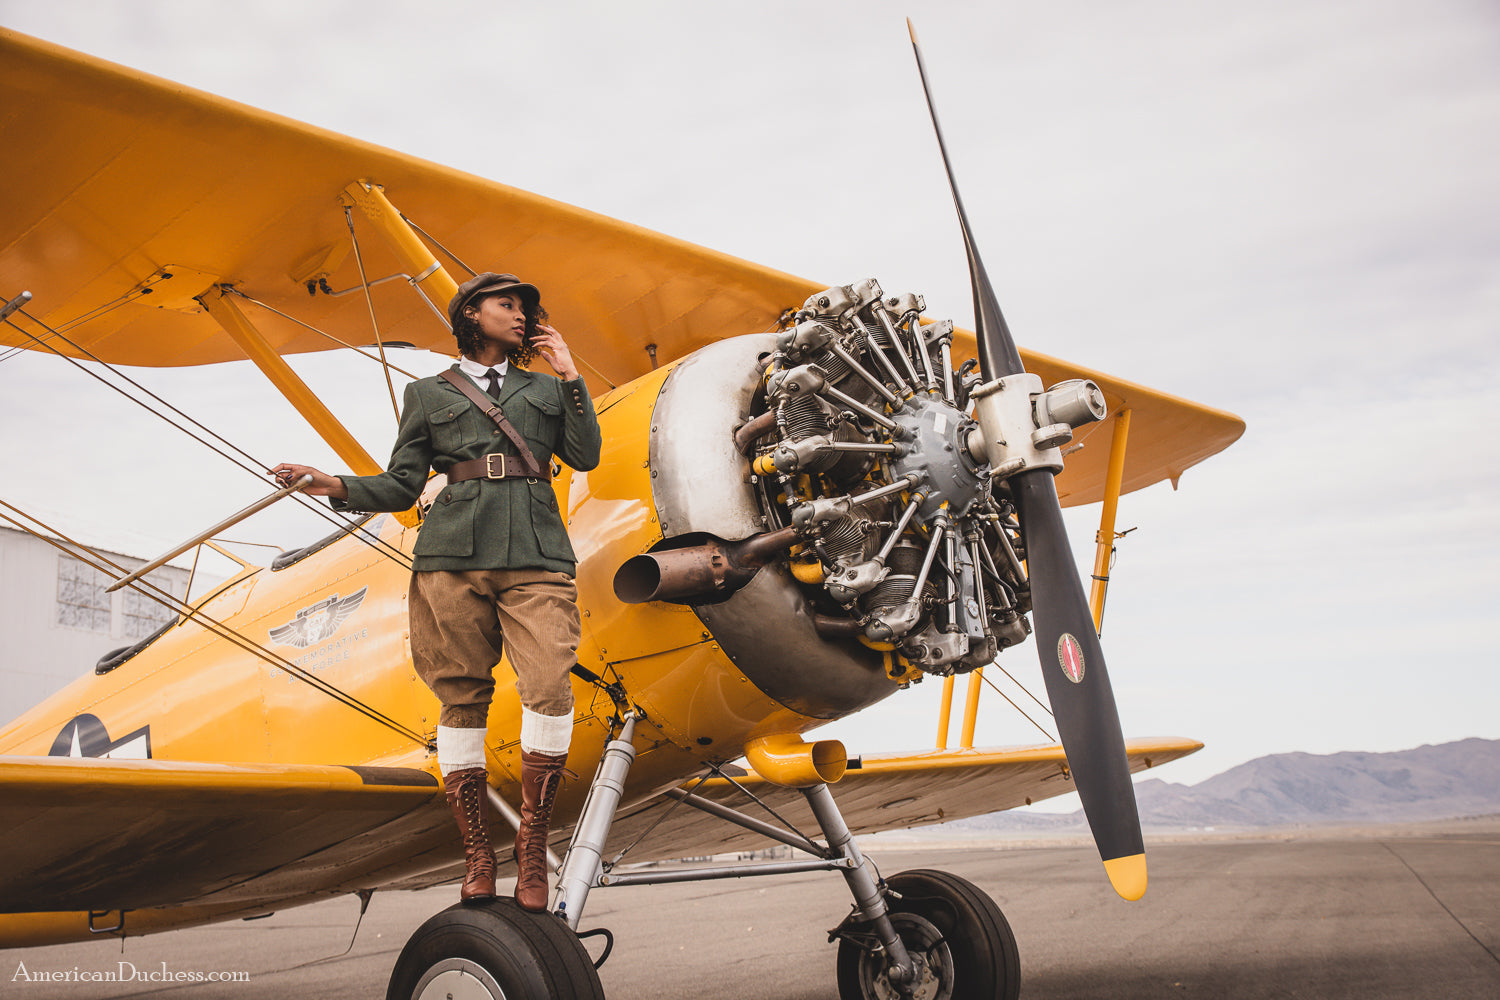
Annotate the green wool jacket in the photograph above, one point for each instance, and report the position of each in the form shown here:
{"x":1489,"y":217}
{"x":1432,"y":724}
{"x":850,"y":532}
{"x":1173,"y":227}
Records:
{"x":484,"y":523}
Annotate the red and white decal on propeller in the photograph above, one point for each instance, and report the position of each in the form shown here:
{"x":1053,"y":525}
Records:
{"x":1070,"y":657}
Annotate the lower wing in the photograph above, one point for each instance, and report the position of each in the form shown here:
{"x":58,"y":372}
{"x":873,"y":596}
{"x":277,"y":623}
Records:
{"x":878,"y":792}
{"x":94,"y":834}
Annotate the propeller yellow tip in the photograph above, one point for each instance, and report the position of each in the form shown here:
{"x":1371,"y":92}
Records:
{"x":1127,"y":875}
{"x":911,"y":30}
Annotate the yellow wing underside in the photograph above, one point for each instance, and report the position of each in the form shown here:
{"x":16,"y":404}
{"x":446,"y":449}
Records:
{"x":880,"y":792}
{"x":225,"y":840}
{"x":113,"y":179}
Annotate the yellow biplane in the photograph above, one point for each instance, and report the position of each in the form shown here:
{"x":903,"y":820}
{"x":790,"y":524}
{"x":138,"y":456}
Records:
{"x":809,"y":498}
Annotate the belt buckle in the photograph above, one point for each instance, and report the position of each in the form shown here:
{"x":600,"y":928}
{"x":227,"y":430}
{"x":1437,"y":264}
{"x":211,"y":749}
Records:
{"x":489,"y":466}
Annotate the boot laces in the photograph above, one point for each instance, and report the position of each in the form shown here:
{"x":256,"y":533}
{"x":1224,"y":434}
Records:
{"x":534,"y":848}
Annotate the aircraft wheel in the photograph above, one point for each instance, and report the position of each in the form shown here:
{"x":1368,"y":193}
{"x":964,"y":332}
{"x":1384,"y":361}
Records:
{"x":955,"y":933}
{"x":494,"y":951}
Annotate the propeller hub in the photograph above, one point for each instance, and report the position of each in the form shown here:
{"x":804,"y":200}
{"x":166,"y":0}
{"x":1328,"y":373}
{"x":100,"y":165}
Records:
{"x":1020,"y":427}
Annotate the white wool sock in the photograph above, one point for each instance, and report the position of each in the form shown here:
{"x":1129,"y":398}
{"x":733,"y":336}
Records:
{"x":548,"y":734}
{"x":459,"y":749}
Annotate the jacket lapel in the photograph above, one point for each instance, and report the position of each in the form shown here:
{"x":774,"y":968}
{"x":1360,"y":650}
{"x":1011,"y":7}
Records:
{"x":516,"y":379}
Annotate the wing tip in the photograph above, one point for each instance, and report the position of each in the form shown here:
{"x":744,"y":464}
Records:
{"x":1127,"y":875}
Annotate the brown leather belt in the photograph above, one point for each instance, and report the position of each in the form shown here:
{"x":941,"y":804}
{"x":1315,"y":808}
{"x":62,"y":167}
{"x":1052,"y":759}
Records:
{"x":496,"y":465}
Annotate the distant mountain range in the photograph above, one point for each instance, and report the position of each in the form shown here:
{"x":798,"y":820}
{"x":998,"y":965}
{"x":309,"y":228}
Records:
{"x":1302,"y":789}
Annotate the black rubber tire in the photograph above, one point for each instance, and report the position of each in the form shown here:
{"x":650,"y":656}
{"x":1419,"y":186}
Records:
{"x":530,"y":956}
{"x":986,"y":964}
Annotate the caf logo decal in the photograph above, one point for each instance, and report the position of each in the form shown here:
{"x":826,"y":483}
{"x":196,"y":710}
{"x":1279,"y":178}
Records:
{"x":1070,"y":657}
{"x":319,"y":621}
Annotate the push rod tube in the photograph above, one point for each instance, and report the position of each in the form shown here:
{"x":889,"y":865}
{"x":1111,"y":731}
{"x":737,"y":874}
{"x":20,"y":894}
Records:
{"x":858,"y":407}
{"x":864,"y":373}
{"x":874,"y":348}
{"x":896,"y":344}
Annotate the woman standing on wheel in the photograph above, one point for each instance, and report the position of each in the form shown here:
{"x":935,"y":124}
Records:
{"x":493,"y":566}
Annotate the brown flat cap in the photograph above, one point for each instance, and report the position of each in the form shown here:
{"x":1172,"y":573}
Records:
{"x":490,"y":283}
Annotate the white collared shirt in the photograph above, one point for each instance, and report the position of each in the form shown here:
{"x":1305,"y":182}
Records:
{"x":479,"y":374}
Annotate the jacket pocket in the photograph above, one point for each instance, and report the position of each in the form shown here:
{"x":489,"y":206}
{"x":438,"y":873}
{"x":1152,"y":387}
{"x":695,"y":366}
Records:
{"x":448,"y":425}
{"x":546,"y":521}
{"x":448,"y":528}
{"x":538,"y":414}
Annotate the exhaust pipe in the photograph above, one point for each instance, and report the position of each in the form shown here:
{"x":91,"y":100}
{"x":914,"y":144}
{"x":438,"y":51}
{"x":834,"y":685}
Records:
{"x":788,"y":760}
{"x":698,"y":573}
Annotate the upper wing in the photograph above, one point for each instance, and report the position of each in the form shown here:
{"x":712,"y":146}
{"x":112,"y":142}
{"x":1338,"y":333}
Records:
{"x":113,"y":177}
{"x":878,"y":792}
{"x":94,"y":834}
{"x":126,"y":196}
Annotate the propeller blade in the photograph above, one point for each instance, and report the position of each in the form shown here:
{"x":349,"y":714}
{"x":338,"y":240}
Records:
{"x":1071,"y":658}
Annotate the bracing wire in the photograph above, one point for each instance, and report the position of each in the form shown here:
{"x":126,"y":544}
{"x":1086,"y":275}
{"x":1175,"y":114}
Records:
{"x":370,"y":302}
{"x":97,"y":561}
{"x":1007,"y":673}
{"x":610,"y":865}
{"x":449,"y":253}
{"x":473,"y":273}
{"x":147,"y":287}
{"x":342,"y":343}
{"x":92,"y":314}
{"x":788,"y":824}
{"x":1018,"y":708}
{"x":256,"y":468}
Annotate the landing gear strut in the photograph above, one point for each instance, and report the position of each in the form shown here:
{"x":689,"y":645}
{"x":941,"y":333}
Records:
{"x":959,"y":941}
{"x":924,"y":934}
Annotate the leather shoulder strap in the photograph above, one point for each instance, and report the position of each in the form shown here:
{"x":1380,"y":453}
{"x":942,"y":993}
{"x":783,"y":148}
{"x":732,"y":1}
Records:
{"x":492,"y":410}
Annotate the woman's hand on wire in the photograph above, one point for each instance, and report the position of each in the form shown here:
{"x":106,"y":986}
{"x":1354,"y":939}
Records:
{"x":322,"y":485}
{"x":551,"y":346}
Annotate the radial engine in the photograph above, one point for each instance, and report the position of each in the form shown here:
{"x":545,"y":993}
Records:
{"x":869,"y":472}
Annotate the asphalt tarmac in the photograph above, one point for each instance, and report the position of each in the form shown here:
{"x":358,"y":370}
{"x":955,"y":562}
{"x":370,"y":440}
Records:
{"x":1396,"y":912}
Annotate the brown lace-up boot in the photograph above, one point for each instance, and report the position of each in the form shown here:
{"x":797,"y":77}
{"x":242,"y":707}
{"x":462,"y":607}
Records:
{"x":466,"y":795}
{"x":541,"y":776}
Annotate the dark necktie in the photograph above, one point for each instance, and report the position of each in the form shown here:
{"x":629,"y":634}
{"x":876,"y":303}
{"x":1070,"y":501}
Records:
{"x":494,"y":380}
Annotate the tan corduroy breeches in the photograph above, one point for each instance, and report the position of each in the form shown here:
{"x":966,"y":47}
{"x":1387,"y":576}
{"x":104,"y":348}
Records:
{"x":461,"y":622}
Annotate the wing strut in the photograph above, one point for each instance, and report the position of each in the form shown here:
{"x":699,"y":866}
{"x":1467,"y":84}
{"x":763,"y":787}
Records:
{"x":1113,"y":479}
{"x":287,"y":382}
{"x":429,"y":278}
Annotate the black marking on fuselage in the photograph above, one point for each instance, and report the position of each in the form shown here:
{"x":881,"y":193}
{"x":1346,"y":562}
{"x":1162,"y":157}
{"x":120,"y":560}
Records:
{"x":92,"y":739}
{"x":394,"y":776}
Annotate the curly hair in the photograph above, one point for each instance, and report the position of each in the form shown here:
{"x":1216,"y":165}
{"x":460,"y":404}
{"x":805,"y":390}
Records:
{"x":471,"y":338}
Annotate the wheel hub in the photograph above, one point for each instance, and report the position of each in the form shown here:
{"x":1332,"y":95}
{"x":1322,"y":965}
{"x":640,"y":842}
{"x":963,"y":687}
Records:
{"x":931,"y":959}
{"x":458,"y":979}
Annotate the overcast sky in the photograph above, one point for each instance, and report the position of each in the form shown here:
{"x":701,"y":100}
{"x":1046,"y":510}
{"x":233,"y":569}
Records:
{"x":1283,"y":209}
